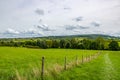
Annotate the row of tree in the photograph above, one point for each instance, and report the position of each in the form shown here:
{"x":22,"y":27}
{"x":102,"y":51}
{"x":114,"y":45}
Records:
{"x":75,"y":43}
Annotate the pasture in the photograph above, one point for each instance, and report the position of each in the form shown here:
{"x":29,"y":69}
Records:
{"x":105,"y":67}
{"x":25,"y":63}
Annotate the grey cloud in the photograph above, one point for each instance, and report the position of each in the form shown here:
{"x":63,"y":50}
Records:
{"x":117,"y":33}
{"x":44,"y":27}
{"x":11,"y":33}
{"x":81,"y":27}
{"x":39,"y":11}
{"x":73,"y":27}
{"x":70,"y":27}
{"x":49,"y":11}
{"x":77,"y":19}
{"x":67,"y":8}
{"x":99,"y":32}
{"x":116,"y":6}
{"x":95,"y":24}
{"x":40,"y":20}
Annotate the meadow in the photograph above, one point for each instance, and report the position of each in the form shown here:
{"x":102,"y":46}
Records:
{"x":25,"y":63}
{"x":105,"y":67}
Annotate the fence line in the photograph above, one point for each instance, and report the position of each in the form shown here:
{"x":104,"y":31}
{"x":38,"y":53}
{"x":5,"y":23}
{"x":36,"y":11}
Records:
{"x":83,"y":60}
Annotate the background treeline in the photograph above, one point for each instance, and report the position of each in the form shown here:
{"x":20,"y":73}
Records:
{"x":71,"y":43}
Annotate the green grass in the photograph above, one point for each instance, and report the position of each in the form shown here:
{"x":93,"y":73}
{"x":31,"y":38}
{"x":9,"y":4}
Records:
{"x":105,"y":67}
{"x":26,"y":63}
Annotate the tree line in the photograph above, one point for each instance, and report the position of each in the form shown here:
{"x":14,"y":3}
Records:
{"x":74,"y":43}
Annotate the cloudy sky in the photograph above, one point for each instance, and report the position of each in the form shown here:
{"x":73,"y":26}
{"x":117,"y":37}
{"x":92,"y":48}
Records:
{"x":34,"y":18}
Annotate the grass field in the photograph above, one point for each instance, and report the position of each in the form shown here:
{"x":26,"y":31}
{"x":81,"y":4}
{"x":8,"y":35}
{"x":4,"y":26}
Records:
{"x":26,"y":63}
{"x":105,"y":67}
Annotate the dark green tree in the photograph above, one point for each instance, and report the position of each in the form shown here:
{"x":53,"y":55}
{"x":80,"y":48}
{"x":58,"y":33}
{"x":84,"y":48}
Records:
{"x":42,"y":44}
{"x":113,"y":45}
{"x":80,"y":46}
{"x":55,"y":44}
{"x":62,"y":43}
{"x":94,"y":45}
{"x":67,"y":45}
{"x":100,"y":41}
{"x":86,"y":43}
{"x":73,"y":43}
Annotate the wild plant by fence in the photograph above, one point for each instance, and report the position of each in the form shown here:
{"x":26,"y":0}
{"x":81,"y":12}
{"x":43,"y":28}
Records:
{"x":67,"y":65}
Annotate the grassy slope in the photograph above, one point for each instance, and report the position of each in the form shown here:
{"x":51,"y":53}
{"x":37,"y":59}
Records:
{"x":106,"y":67}
{"x":24,"y":60}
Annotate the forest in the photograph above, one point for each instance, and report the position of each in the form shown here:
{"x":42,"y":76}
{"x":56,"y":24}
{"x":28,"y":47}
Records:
{"x":99,"y":43}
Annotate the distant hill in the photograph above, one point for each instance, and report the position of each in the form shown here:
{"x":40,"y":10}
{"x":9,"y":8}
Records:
{"x":90,"y":36}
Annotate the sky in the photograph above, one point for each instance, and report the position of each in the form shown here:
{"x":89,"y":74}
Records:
{"x":37,"y":18}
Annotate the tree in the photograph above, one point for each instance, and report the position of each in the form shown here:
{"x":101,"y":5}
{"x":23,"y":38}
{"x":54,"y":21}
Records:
{"x":38,"y":43}
{"x":67,"y":45}
{"x":42,"y":44}
{"x":49,"y":43}
{"x":86,"y":43}
{"x":73,"y":43}
{"x":62,"y":43}
{"x":55,"y":44}
{"x":80,"y":46}
{"x":113,"y":45}
{"x":100,"y":41}
{"x":94,"y":45}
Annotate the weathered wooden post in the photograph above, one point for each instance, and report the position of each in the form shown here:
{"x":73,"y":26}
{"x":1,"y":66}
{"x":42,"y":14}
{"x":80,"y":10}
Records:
{"x":65,"y":63}
{"x":42,"y":69}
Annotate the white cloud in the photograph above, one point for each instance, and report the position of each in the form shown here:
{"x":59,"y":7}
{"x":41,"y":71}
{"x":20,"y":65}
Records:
{"x":11,"y":31}
{"x":33,"y":31}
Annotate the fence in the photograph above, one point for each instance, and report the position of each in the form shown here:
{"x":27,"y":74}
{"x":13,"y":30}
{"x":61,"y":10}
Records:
{"x":82,"y":61}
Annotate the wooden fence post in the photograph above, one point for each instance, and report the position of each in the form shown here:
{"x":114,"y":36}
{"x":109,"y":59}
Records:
{"x":65,"y":63}
{"x":42,"y":68}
